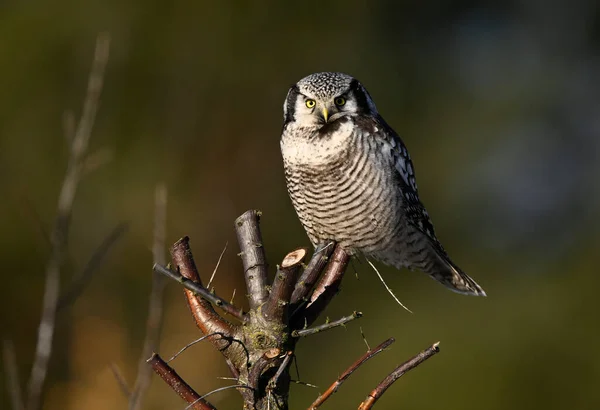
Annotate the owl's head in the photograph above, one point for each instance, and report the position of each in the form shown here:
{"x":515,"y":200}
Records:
{"x":323,"y":98}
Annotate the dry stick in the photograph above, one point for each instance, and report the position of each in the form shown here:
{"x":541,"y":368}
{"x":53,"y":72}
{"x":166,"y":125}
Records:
{"x":253,"y":257}
{"x":276,"y":307}
{"x":79,"y":282}
{"x":220,"y":389}
{"x":312,"y":272}
{"x":327,"y":287}
{"x":59,"y":234}
{"x":180,"y":387}
{"x":326,"y":326}
{"x":335,"y":386}
{"x":284,"y":364}
{"x":11,"y":372}
{"x":120,"y":380}
{"x":272,"y":385}
{"x":155,"y":306}
{"x":212,"y":277}
{"x":201,"y":291}
{"x":396,"y":374}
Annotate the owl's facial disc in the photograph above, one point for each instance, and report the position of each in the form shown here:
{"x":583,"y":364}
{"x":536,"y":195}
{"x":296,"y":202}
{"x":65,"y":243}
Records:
{"x":323,"y":98}
{"x":320,"y":111}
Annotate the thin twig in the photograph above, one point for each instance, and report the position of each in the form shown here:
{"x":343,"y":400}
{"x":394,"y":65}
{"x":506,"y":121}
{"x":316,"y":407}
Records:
{"x":387,"y":287}
{"x":11,"y":372}
{"x":313,"y":270}
{"x":396,"y":374}
{"x":201,"y":291}
{"x":183,"y":349}
{"x":353,"y":367}
{"x":326,"y":326}
{"x":170,"y":376}
{"x":155,"y":304}
{"x":272,"y":385}
{"x":217,"y":266}
{"x":276,"y":306}
{"x":79,"y":282}
{"x":120,"y":380}
{"x":233,"y":386}
{"x":60,"y":231}
{"x":253,"y":257}
{"x":284,"y":364}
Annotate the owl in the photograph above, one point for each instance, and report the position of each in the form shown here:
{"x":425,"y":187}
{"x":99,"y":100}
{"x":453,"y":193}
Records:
{"x":351,"y":180}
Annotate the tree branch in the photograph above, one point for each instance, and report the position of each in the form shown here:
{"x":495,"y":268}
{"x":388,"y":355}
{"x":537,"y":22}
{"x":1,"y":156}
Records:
{"x":253,"y":257}
{"x":276,"y":307}
{"x":79,"y":283}
{"x":60,"y":231}
{"x":327,"y":287}
{"x":11,"y":374}
{"x":396,"y":374}
{"x":180,"y":387}
{"x":326,"y":326}
{"x":155,"y":304}
{"x":369,"y":354}
{"x":312,"y":272}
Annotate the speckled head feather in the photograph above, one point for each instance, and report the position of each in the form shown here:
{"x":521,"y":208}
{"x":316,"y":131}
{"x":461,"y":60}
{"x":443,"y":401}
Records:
{"x":325,"y":85}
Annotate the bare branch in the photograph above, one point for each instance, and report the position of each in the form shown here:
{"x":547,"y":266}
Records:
{"x":312,"y":272}
{"x":276,"y":307}
{"x":79,"y":282}
{"x":155,"y":304}
{"x":327,"y":287}
{"x":396,"y":374}
{"x":180,"y":387}
{"x":353,"y":367}
{"x":60,"y":231}
{"x":11,"y":373}
{"x":253,"y":257}
{"x":326,"y":326}
{"x":220,"y":389}
{"x":284,"y":364}
{"x":120,"y":380}
{"x":206,"y":318}
{"x":199,"y":290}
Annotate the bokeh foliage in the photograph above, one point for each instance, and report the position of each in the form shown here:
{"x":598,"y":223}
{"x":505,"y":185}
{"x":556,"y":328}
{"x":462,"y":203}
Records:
{"x":498,"y":102}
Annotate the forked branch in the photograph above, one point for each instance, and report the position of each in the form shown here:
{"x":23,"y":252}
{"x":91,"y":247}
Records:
{"x":259,"y":350}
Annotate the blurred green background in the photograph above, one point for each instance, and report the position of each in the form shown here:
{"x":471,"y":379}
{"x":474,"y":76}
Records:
{"x":498,"y":102}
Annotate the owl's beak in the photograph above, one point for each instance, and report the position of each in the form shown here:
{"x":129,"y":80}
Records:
{"x":325,"y":113}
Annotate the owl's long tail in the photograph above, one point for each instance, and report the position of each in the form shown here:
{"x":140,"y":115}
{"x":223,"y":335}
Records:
{"x":441,"y":268}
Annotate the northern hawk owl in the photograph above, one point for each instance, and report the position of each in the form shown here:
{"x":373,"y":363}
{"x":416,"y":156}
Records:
{"x":351,"y":180}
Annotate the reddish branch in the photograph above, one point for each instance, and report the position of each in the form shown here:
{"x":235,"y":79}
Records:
{"x":180,"y":387}
{"x":353,"y":367}
{"x":396,"y":374}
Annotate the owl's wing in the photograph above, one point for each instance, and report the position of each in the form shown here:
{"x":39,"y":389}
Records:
{"x":415,"y":212}
{"x":432,"y":258}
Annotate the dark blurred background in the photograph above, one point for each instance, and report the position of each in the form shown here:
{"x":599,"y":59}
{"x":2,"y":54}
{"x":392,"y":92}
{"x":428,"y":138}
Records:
{"x":498,"y":102}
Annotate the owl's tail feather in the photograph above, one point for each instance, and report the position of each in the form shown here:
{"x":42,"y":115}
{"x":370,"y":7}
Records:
{"x":442,"y":269}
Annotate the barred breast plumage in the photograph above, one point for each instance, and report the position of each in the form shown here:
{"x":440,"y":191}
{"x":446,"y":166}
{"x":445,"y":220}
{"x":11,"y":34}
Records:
{"x":351,"y":179}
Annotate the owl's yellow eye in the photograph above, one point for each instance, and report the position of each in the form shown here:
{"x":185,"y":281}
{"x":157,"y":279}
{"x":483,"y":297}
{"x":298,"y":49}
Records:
{"x":340,"y":101}
{"x":310,"y":103}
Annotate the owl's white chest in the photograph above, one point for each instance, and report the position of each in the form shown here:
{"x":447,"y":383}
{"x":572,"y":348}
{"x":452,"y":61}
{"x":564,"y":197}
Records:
{"x":298,"y":150}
